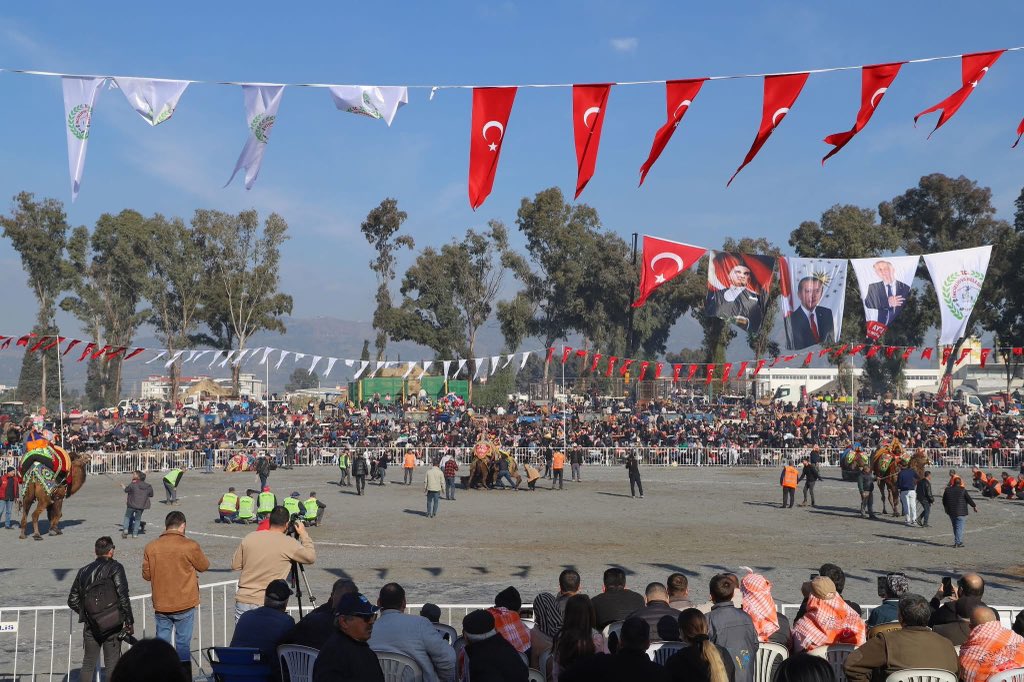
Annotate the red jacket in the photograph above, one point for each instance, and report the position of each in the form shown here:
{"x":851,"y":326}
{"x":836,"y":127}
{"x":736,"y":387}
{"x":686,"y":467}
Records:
{"x":9,"y":486}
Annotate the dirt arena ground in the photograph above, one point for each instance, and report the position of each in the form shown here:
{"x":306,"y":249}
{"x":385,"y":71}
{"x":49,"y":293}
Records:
{"x":695,"y":521}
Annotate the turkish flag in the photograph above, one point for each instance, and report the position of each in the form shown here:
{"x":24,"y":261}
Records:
{"x":679,"y":95}
{"x":491,"y":109}
{"x":973,"y":68}
{"x":1020,"y":133}
{"x":874,"y":81}
{"x":588,"y":105}
{"x":663,"y":260}
{"x":780,"y":92}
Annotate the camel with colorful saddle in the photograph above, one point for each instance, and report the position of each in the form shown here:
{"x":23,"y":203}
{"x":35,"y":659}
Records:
{"x":886,"y":463}
{"x":49,"y":474}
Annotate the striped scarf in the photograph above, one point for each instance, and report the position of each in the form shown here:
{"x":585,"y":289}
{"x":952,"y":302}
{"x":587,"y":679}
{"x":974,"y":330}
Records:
{"x":759,"y":605}
{"x":828,"y":621}
{"x":990,"y":649}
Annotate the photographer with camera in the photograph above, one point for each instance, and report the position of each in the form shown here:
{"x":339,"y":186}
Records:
{"x":99,"y":596}
{"x":269,"y":555}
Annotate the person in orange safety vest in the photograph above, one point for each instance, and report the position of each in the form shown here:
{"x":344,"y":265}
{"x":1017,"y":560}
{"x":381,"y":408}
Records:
{"x":408,"y":464}
{"x":788,"y":481}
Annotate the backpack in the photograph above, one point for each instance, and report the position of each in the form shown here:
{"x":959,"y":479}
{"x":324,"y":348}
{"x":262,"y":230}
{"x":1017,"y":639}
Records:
{"x":100,"y":608}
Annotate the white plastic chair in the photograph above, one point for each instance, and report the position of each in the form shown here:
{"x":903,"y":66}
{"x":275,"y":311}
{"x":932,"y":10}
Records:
{"x":659,"y":652}
{"x":769,"y":656}
{"x":614,"y":628}
{"x":536,"y":675}
{"x":298,"y":661}
{"x":449,"y":633}
{"x":1012,"y":675}
{"x":836,"y":655}
{"x":921,"y":675}
{"x":399,"y":667}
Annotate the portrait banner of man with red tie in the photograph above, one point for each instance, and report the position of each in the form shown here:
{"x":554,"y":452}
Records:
{"x":885,"y":285}
{"x":813,"y":295}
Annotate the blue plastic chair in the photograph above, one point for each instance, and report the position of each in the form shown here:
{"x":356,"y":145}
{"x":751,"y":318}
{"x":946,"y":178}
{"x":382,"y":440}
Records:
{"x":238,"y":664}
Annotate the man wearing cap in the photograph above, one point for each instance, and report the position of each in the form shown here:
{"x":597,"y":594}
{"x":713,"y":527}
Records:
{"x":346,"y":655}
{"x":413,"y":636}
{"x":265,"y":627}
{"x":292,"y":503}
{"x":488,"y":655}
{"x":267,"y":555}
{"x":9,"y":483}
{"x":896,"y":585}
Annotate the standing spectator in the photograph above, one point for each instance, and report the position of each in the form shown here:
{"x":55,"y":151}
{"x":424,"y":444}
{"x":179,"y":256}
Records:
{"x":633,"y":467}
{"x":99,"y":595}
{"x":173,"y":563}
{"x":267,"y":555}
{"x":359,"y":469}
{"x":346,"y":655}
{"x":408,"y":464}
{"x":703,"y":660}
{"x":139,"y":495}
{"x":433,"y":484}
{"x":866,"y":488}
{"x":809,"y":476}
{"x":955,"y":499}
{"x":450,"y":467}
{"x":344,"y":460}
{"x":266,"y":627}
{"x":411,"y":635}
{"x":263,"y":467}
{"x":208,"y":452}
{"x":990,"y":649}
{"x":788,"y":480}
{"x":9,"y":483}
{"x":171,"y":481}
{"x":489,"y":656}
{"x":731,"y":628}
{"x":507,"y":621}
{"x":616,"y":602}
{"x":557,"y":469}
{"x":925,"y":497}
{"x":549,"y":454}
{"x":576,"y":462}
{"x":382,"y":467}
{"x":906,"y":483}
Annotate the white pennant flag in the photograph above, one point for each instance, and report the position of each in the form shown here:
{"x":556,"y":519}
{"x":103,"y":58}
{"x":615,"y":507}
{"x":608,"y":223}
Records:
{"x":376,"y":369}
{"x":447,"y":366}
{"x":509,"y":358}
{"x":157,"y":357}
{"x":462,"y":363}
{"x":426,"y":366}
{"x":478,"y":363}
{"x":244,"y":353}
{"x":266,"y":351}
{"x":154,"y":99}
{"x":299,"y":356}
{"x":957,"y":277}
{"x":284,"y":354}
{"x":261,"y":103}
{"x":330,"y":366}
{"x":494,"y":363}
{"x":216,"y":356}
{"x":363,"y":364}
{"x":174,"y":358}
{"x":227,"y":358}
{"x":350,"y":363}
{"x":191,"y":356}
{"x":408,"y":371}
{"x":368,"y":100}
{"x":316,"y":359}
{"x":79,"y":98}
{"x":201,"y":354}
{"x":526,"y":355}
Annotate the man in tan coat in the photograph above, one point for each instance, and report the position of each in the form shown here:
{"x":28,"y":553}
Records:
{"x":914,"y":646}
{"x":173,"y":563}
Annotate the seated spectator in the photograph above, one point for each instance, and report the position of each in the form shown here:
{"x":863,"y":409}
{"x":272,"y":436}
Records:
{"x":578,"y":637}
{"x":153,"y":660}
{"x":414,"y":636}
{"x":507,"y":621}
{"x":896,"y":585}
{"x":805,"y":668}
{"x":616,"y":602}
{"x":912,"y":646}
{"x":731,"y":628}
{"x":569,"y":583}
{"x":547,"y":621}
{"x":758,"y":603}
{"x":657,"y":608}
{"x":431,"y":612}
{"x":678,"y":592}
{"x":265,"y":627}
{"x":968,"y":585}
{"x":346,"y":655}
{"x":829,"y":619}
{"x":838,"y":578}
{"x":316,"y":626}
{"x":629,"y":662}
{"x":737,"y":595}
{"x":489,"y":656}
{"x":958,"y":632}
{"x":990,"y":649}
{"x":703,"y":660}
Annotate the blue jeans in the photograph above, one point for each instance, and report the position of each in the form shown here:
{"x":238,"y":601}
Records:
{"x":449,"y":487}
{"x":958,"y":528}
{"x":7,"y":507}
{"x":242,"y":607}
{"x":433,"y":500}
{"x":132,"y":521}
{"x":182,"y":624}
{"x":504,"y":476}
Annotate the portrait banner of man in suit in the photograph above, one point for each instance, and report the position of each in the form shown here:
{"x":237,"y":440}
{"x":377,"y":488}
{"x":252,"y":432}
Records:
{"x":884,"y":285}
{"x":738,"y":287}
{"x":813,"y":296}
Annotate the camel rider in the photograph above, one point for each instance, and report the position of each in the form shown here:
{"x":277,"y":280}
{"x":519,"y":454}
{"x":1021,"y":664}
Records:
{"x":312,"y":510}
{"x":247,"y":507}
{"x":228,"y":506}
{"x":171,"y":480}
{"x":292,"y":504}
{"x":344,"y":461}
{"x":788,"y":480}
{"x":265,"y":503}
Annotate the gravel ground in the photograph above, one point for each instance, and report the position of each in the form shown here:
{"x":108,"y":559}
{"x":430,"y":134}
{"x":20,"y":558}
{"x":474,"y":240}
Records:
{"x":697,"y":521}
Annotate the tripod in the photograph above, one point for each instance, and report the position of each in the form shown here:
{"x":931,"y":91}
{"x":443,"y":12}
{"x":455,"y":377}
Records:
{"x":297,"y":570}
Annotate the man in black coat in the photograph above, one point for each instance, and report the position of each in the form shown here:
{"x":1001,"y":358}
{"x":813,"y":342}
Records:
{"x":809,"y":475}
{"x":346,"y":656}
{"x":657,"y":608}
{"x":316,"y":626}
{"x":491,"y":657}
{"x":955,"y":499}
{"x":616,"y":602}
{"x":810,"y":324}
{"x":925,"y":497}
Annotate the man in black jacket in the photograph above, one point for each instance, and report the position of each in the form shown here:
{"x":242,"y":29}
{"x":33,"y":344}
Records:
{"x":925,"y":497}
{"x":314,"y":629}
{"x":809,"y":476}
{"x":955,"y":499}
{"x":346,"y":656}
{"x":491,"y":657}
{"x":616,"y":602}
{"x":102,"y":583}
{"x":139,"y":494}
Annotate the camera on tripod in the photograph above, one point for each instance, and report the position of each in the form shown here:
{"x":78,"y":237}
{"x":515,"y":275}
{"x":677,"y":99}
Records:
{"x":291,"y":530}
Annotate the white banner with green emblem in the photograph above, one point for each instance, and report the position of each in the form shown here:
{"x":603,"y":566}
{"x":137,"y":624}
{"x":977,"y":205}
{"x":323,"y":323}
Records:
{"x":369,"y":100}
{"x":261,"y":103}
{"x":957,"y":277}
{"x":155,"y":99}
{"x":79,"y":98}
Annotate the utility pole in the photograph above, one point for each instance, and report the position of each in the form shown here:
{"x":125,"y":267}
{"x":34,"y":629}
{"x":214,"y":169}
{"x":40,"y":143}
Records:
{"x":629,"y":324}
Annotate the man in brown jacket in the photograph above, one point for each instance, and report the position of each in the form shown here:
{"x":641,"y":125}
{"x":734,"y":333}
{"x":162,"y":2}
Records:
{"x":914,"y":646}
{"x":172,"y":563}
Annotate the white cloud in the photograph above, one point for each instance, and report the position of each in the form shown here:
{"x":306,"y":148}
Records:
{"x":624,"y":44}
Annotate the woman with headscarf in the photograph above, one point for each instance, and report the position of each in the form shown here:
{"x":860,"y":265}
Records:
{"x":702,"y":660}
{"x":758,"y":603}
{"x":828,"y":620}
{"x":547,"y":621}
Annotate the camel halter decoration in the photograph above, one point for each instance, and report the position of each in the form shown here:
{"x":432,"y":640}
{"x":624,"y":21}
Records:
{"x":46,"y":464}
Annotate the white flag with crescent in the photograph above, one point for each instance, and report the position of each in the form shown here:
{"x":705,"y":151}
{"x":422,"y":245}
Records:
{"x":79,"y":98}
{"x":261,"y":103}
{"x":154,"y":99}
{"x":368,"y":100}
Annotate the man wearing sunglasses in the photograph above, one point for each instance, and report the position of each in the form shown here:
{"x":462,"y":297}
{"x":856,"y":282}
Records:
{"x":346,"y":655}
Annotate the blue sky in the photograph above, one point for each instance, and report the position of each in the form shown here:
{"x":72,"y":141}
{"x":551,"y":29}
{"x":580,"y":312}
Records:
{"x":324,"y":170}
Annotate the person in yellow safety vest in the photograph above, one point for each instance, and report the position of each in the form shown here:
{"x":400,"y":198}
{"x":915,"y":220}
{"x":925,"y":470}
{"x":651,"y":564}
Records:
{"x":788,"y":481}
{"x":228,"y":506}
{"x":171,"y":480}
{"x":313,"y":510}
{"x":292,"y":504}
{"x":344,"y":461}
{"x":408,"y":464}
{"x":247,"y":507}
{"x":265,"y":503}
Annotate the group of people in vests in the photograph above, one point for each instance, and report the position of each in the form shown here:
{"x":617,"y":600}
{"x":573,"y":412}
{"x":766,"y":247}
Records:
{"x":1006,"y":485}
{"x":255,"y":506}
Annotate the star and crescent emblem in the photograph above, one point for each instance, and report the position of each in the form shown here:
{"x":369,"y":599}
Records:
{"x":659,"y":277}
{"x":591,"y":111}
{"x":493,"y":146}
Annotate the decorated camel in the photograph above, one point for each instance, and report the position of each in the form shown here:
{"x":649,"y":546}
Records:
{"x":483,"y":469}
{"x":886,"y":463}
{"x":49,"y":475}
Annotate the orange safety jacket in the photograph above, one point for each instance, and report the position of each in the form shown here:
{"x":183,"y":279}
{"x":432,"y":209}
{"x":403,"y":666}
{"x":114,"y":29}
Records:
{"x":410,"y":460}
{"x":789,"y":477}
{"x":558,"y":461}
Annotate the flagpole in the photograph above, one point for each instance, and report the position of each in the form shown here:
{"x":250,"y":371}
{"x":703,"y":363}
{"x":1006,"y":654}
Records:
{"x":60,"y":387}
{"x":268,"y":407}
{"x":636,"y":292}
